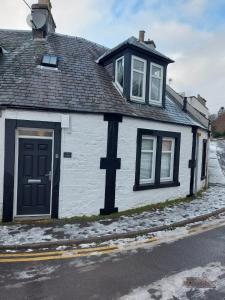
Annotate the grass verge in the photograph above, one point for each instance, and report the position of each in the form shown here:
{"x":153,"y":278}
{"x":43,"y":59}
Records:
{"x":85,"y":219}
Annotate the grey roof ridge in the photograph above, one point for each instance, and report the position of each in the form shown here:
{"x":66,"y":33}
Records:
{"x":58,"y":34}
{"x":189,"y":115}
{"x":81,"y":38}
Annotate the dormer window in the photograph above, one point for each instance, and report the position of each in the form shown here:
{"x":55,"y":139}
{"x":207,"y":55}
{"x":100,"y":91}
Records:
{"x":119,"y":73}
{"x":156,"y":84}
{"x":138,"y":79}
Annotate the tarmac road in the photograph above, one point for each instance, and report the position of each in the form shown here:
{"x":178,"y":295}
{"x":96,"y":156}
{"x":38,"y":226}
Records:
{"x":112,"y":275}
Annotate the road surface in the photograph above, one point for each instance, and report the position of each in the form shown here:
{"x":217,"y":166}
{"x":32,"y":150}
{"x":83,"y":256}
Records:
{"x":190,"y":268}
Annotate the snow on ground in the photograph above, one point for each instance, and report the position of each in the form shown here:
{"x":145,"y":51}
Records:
{"x":190,"y":284}
{"x":210,"y":200}
{"x":23,"y":234}
{"x":216,"y":174}
{"x":221,"y":154}
{"x":30,"y":274}
{"x":35,"y":272}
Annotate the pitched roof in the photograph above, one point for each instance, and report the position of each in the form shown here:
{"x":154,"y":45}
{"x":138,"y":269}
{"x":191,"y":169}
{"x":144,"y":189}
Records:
{"x":133,"y":41}
{"x":79,"y":84}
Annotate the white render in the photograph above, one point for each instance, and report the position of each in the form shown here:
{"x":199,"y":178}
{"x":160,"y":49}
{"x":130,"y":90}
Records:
{"x":125,"y":196}
{"x":82,"y":182}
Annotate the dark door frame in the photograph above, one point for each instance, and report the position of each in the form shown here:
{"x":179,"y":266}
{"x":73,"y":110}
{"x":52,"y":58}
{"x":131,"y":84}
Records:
{"x":8,"y":194}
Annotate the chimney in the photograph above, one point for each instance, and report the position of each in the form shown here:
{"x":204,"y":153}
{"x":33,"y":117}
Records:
{"x":42,"y":19}
{"x":150,"y":43}
{"x":141,"y":36}
{"x":185,"y":102}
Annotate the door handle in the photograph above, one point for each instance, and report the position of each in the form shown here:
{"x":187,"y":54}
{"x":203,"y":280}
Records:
{"x":49,"y":175}
{"x":34,"y":180}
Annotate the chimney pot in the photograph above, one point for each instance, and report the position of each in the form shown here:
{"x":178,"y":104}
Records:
{"x":141,"y":36}
{"x":45,"y":2}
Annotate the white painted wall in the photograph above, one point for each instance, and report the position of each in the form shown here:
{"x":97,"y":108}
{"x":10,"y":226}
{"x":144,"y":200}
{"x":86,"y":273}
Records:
{"x":82,"y":188}
{"x":125,"y":196}
{"x":82,"y":183}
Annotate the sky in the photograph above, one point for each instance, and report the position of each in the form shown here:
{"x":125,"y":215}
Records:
{"x":192,"y":32}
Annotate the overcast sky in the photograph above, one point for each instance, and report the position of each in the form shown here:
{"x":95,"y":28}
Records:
{"x":192,"y":32}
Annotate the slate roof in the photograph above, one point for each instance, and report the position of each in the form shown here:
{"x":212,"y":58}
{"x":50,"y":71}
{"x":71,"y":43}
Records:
{"x":133,"y":41}
{"x":79,"y":84}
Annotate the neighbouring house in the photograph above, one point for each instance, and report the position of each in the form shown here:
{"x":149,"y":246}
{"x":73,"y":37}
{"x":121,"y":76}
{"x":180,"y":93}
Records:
{"x":199,"y":104}
{"x":87,"y":130}
{"x":221,"y":111}
{"x":218,"y":125}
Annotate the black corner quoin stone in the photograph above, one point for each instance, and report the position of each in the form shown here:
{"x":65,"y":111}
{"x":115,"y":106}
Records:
{"x":192,"y":162}
{"x":111,"y":163}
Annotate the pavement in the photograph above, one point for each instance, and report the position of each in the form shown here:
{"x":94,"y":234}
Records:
{"x":181,"y":267}
{"x":211,"y":203}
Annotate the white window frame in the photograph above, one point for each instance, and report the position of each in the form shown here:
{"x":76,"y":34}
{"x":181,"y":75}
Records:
{"x":172,"y":152}
{"x":139,"y":99}
{"x":152,"y":101}
{"x":117,"y":83}
{"x":152,"y":179}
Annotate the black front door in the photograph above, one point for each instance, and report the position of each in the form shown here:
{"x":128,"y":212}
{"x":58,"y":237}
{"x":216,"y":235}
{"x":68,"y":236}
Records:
{"x":34,"y":176}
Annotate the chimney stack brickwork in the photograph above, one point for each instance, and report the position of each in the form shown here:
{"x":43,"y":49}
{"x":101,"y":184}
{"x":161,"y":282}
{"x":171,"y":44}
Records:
{"x":43,"y":7}
{"x":149,"y":42}
{"x":141,"y":36}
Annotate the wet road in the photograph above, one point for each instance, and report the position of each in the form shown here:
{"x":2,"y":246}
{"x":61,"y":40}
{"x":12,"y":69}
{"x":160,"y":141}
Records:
{"x":111,"y":276}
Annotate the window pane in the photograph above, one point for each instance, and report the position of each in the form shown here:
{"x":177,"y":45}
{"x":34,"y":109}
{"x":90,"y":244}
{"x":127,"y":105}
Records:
{"x":38,"y":132}
{"x":53,"y":60}
{"x":146,"y":166}
{"x":46,"y":59}
{"x":155,"y":89}
{"x":166,"y":145}
{"x":147,"y":144}
{"x":120,"y":72}
{"x":137,"y":88}
{"x":138,"y":65}
{"x":165,"y":165}
{"x":156,"y":71}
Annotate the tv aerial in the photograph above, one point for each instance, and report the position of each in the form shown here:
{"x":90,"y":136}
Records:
{"x":36,"y":20}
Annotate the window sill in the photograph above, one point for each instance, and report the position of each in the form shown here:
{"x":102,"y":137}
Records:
{"x":149,"y":186}
{"x":147,"y":103}
{"x":137,"y":99}
{"x":155,"y":103}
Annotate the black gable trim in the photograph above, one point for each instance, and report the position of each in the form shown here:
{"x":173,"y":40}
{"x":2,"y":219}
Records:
{"x":109,"y":57}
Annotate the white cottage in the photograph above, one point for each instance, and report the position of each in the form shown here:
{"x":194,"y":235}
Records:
{"x":85,"y":130}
